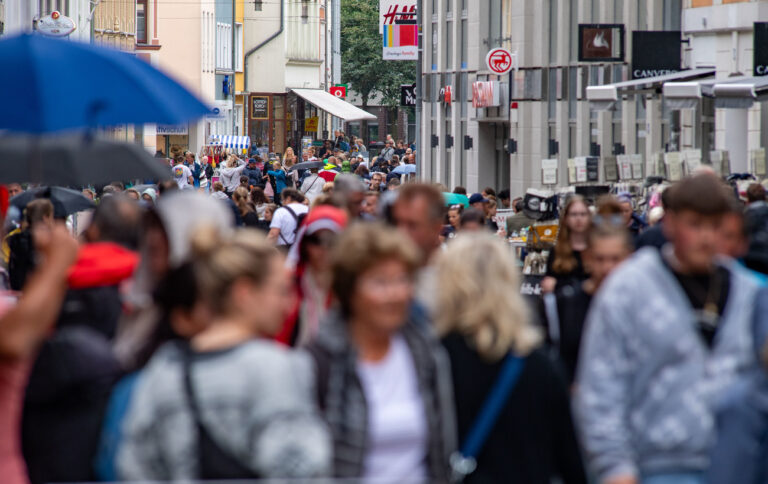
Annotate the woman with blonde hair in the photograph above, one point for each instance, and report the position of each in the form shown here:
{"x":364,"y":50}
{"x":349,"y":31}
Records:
{"x":487,"y":332}
{"x":565,"y":266}
{"x":230,"y":402}
{"x":288,"y":155}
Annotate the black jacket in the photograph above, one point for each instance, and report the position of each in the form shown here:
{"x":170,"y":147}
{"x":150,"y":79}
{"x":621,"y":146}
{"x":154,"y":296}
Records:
{"x":22,"y":258}
{"x":534,"y":438}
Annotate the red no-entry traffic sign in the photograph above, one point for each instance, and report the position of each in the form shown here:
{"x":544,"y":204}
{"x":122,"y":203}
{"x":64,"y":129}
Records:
{"x":499,"y":61}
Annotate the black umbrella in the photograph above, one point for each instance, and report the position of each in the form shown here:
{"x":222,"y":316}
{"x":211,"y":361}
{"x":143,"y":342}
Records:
{"x":307,"y":165}
{"x":65,"y":201}
{"x":75,"y":160}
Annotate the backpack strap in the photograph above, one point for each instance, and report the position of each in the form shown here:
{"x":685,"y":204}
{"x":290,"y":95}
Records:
{"x":295,"y":217}
{"x":464,"y":462}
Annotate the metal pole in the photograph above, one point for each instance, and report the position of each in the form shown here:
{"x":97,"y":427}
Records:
{"x":418,"y":140}
{"x":233,"y":90}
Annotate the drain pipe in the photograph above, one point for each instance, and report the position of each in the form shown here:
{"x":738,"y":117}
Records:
{"x":262,"y":44}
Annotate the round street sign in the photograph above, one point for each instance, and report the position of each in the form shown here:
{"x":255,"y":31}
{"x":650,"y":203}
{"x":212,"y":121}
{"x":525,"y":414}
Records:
{"x":499,"y":61}
{"x":55,"y":25}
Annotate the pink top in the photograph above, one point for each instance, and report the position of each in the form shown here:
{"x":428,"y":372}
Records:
{"x":13,"y":379}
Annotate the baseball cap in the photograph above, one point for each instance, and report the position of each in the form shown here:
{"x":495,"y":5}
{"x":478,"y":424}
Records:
{"x":477,"y":198}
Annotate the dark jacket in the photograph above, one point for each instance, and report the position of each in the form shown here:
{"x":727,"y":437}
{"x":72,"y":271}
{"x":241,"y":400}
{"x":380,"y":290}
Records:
{"x":341,"y":397}
{"x":255,"y":178}
{"x":21,"y":261}
{"x":75,"y":370}
{"x":533,"y":439}
{"x":653,"y":237}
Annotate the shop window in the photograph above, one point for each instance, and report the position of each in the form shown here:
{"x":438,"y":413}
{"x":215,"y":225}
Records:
{"x":258,"y":5}
{"x":373,"y":132}
{"x":141,"y":21}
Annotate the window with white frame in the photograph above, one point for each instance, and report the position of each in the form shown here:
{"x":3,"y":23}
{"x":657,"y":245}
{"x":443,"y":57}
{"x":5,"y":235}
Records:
{"x":223,"y":46}
{"x":239,"y":47}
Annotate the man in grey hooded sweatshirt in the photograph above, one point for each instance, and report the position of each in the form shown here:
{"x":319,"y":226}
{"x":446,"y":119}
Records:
{"x":667,"y":333}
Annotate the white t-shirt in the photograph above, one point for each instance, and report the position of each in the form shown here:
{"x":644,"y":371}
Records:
{"x":283,"y":220}
{"x":181,"y":175}
{"x":397,"y":424}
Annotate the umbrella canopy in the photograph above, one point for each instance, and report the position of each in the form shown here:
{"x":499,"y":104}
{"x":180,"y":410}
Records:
{"x":404,"y":169}
{"x":455,"y":199}
{"x":75,"y":161}
{"x":307,"y":165}
{"x":65,"y":201}
{"x":53,"y":84}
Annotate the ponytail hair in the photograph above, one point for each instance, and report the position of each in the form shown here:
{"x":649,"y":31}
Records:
{"x":241,"y":199}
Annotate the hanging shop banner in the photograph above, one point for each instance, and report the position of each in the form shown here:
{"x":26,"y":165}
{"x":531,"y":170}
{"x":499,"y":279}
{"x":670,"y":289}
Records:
{"x":655,"y":53}
{"x":400,"y":42}
{"x":391,"y":11}
{"x":338,"y":91}
{"x":499,"y":61}
{"x":485,"y":94}
{"x":259,"y":107}
{"x":760,"y":52}
{"x":408,"y":94}
{"x":446,"y":95}
{"x":311,"y":124}
{"x":601,"y":42}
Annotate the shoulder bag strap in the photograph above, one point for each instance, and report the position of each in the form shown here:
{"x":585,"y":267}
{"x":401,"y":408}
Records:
{"x":553,"y":319}
{"x":311,"y":185}
{"x":463,"y":462}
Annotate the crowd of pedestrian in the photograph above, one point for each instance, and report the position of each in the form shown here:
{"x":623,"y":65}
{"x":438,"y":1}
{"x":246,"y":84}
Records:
{"x":348,"y":323}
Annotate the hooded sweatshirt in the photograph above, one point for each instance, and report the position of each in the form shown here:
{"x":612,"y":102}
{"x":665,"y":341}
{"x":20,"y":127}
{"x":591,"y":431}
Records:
{"x":647,"y":382}
{"x":230,"y":177}
{"x":181,"y":214}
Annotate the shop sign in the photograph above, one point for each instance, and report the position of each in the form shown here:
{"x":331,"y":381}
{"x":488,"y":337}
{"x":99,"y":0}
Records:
{"x":499,"y":61}
{"x":338,"y":91}
{"x":311,"y":124}
{"x":400,"y":42}
{"x":601,"y":42}
{"x":259,"y":107}
{"x":391,"y":11}
{"x":171,"y":130}
{"x":760,"y":51}
{"x":55,"y":25}
{"x":486,"y":94}
{"x":655,"y":53}
{"x":408,"y":94}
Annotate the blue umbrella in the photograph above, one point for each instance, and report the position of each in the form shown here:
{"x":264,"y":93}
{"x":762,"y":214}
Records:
{"x":404,"y":169}
{"x":53,"y":84}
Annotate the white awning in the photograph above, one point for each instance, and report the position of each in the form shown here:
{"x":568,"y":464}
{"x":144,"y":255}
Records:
{"x":733,"y":92}
{"x":230,"y":141}
{"x":333,"y":105}
{"x":604,"y":97}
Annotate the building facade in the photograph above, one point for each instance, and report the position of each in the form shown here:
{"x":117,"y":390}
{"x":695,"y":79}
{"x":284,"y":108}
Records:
{"x":541,"y":110}
{"x":289,"y":44}
{"x":560,"y":104}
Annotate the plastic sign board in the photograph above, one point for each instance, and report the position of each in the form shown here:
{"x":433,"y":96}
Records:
{"x":338,"y":91}
{"x":760,"y":52}
{"x":400,"y":42}
{"x":601,"y":42}
{"x":311,"y":124}
{"x":655,"y":53}
{"x":499,"y":61}
{"x":390,"y":11}
{"x":408,"y":94}
{"x":55,"y":25}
